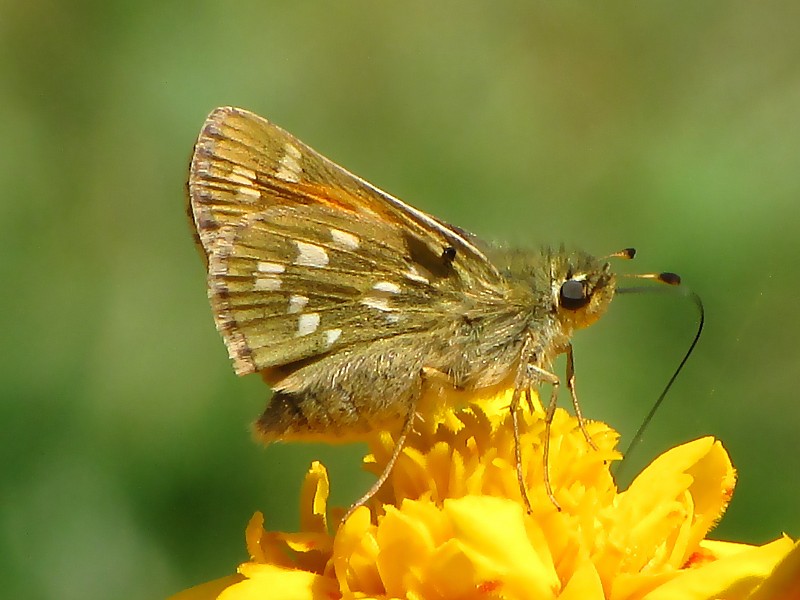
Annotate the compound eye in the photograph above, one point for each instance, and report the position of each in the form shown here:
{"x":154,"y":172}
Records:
{"x":573,"y":295}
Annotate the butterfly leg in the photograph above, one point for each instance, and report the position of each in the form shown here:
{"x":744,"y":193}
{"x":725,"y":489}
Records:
{"x":575,"y":404}
{"x":514,"y":408}
{"x":527,"y":376}
{"x":387,"y":470}
{"x":547,"y":377}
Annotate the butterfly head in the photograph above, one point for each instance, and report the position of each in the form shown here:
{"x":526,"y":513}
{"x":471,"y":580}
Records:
{"x":581,"y":286}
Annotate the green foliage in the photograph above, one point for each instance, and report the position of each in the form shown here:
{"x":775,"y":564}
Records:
{"x":128,"y":471}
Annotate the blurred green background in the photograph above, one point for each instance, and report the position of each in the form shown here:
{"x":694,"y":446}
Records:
{"x":674,"y":127}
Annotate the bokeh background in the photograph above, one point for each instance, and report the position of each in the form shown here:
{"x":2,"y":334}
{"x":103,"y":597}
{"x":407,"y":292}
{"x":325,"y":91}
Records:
{"x":671,"y":126}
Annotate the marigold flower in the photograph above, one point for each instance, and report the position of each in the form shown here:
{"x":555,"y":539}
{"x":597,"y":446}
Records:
{"x":450,"y":523}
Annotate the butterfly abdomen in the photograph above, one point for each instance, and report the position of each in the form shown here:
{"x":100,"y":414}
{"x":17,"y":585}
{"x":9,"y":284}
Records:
{"x":347,"y":393}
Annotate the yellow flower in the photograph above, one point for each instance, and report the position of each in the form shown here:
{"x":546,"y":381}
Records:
{"x":450,"y":523}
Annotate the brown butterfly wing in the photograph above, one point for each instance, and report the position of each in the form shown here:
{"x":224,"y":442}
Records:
{"x":305,"y":258}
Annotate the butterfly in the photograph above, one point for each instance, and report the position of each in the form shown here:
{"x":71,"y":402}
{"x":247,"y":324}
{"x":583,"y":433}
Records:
{"x":347,"y":300}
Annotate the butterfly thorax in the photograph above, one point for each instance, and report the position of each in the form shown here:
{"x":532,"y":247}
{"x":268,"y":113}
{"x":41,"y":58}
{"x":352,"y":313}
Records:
{"x":561,"y":291}
{"x":531,"y":321}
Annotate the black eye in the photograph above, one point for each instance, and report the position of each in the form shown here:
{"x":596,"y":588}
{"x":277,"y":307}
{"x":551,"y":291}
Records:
{"x":573,"y":295}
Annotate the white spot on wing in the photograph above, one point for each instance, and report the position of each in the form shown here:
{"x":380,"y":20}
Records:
{"x":414,"y":275}
{"x":244,"y":172}
{"x":331,"y":335}
{"x":243,"y":176}
{"x":387,"y":286}
{"x":290,"y":169}
{"x":296,"y":303}
{"x":268,"y":283}
{"x":285,"y":174}
{"x":310,"y":255}
{"x":235,"y":178}
{"x":345,"y":239}
{"x":270,"y":267}
{"x":292,"y":150}
{"x":246,"y":192}
{"x":381,"y":304}
{"x":307,"y":324}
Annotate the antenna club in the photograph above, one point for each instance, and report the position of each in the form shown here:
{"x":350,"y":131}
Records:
{"x":670,"y":278}
{"x":625,"y":253}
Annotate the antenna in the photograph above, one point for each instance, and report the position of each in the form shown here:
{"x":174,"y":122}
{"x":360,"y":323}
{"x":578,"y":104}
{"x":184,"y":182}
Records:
{"x":628,"y":254}
{"x":673,"y":280}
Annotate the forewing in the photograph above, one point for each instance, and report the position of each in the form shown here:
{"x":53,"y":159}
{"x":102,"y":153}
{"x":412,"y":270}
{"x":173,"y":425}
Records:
{"x":242,"y":163}
{"x":305,"y":258}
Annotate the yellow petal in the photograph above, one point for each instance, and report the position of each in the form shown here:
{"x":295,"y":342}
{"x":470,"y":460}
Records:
{"x":209,"y":590}
{"x":784,"y":581}
{"x":314,"y":499}
{"x":732,"y":577}
{"x":263,"y":546}
{"x":659,"y":517}
{"x":278,"y":583}
{"x":355,"y":555}
{"x":501,"y":546}
{"x":584,"y":584}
